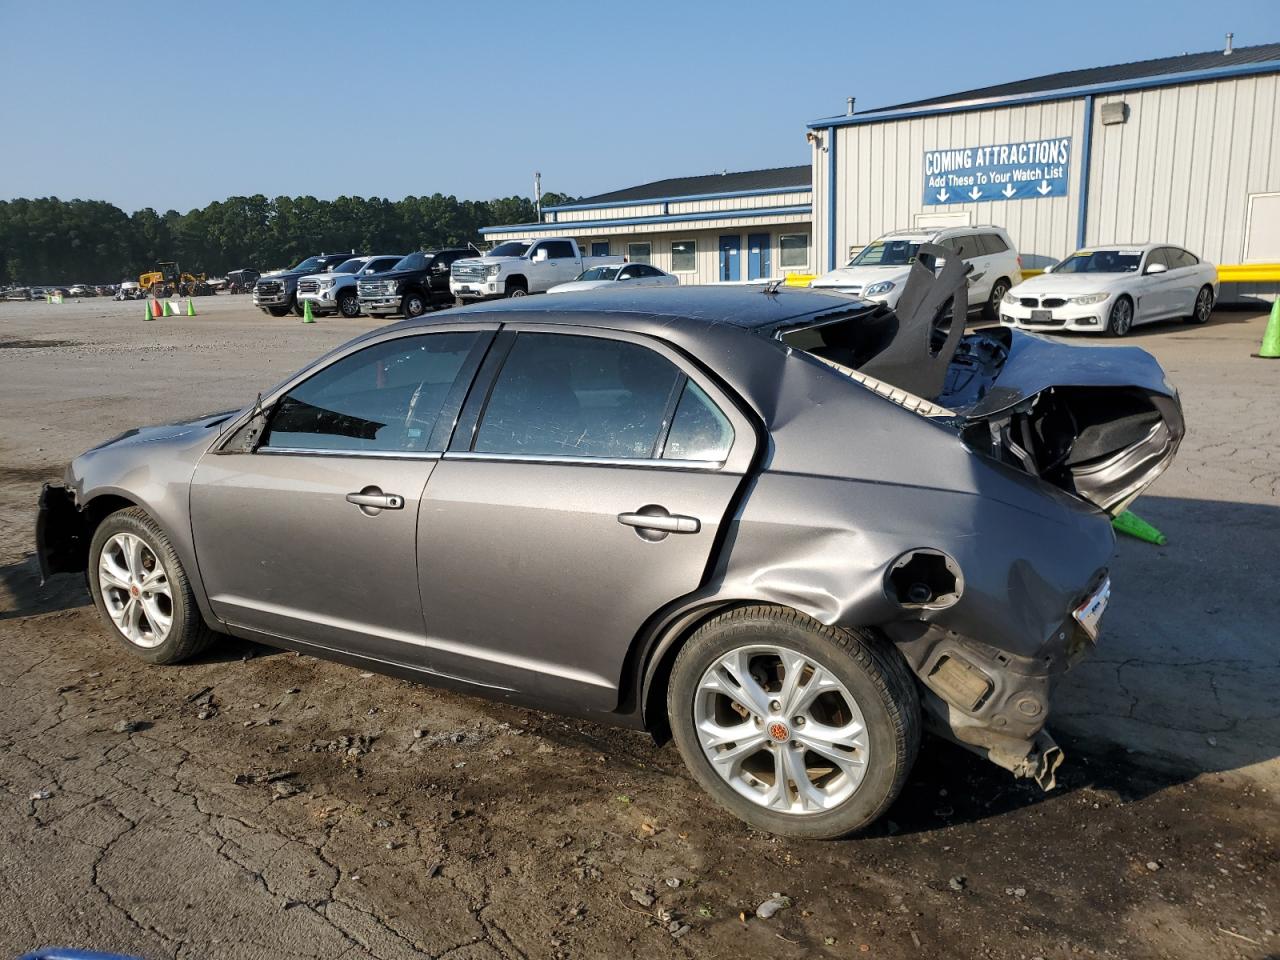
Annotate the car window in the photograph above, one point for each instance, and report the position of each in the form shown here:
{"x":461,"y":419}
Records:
{"x":630,"y":273}
{"x":559,"y":250}
{"x":561,"y":395}
{"x":965,"y":246}
{"x":1180,"y":258}
{"x":699,"y":431}
{"x":384,"y":398}
{"x":1157,"y":256}
{"x":381,"y":264}
{"x":994,"y":243}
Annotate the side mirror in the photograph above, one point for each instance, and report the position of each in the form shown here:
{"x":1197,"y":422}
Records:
{"x":1049,"y":268}
{"x":1156,"y":268}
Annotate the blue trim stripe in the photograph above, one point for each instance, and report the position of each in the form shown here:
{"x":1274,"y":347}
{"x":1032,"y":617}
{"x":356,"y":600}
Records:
{"x":1066,"y":93}
{"x":1086,"y":160}
{"x":577,"y":227}
{"x":655,"y":201}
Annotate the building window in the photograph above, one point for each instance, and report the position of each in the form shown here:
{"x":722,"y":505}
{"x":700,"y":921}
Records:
{"x":684,"y":256}
{"x":638,"y":252}
{"x":795,"y":249}
{"x":599,"y":248}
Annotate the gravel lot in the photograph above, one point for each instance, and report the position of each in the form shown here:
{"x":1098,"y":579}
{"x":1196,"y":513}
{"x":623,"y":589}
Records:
{"x":260,"y":803}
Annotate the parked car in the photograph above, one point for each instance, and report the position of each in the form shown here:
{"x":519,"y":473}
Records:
{"x":415,"y":284}
{"x":520,"y":267}
{"x":879,"y":271}
{"x":130,"y":290}
{"x":1112,"y":288}
{"x":277,"y":293}
{"x":617,"y":276}
{"x":629,"y":506}
{"x":82,"y":290}
{"x":336,"y":290}
{"x":39,"y":293}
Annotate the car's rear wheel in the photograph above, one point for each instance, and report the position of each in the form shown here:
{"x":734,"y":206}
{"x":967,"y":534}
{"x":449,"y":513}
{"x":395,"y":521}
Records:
{"x":1203,"y":309}
{"x":797,"y":728}
{"x":141,"y":590}
{"x":991,"y":311}
{"x":1121,"y":320}
{"x":349,"y":305}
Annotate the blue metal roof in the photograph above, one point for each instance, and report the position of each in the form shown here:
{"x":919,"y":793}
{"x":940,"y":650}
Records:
{"x":1147,"y":74}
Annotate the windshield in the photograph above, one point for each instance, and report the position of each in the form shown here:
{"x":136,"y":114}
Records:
{"x":512,"y":248}
{"x":414,"y":261}
{"x":886,"y":253}
{"x":1101,"y":261}
{"x":310,"y":265}
{"x":599,"y":273}
{"x":350,"y":266}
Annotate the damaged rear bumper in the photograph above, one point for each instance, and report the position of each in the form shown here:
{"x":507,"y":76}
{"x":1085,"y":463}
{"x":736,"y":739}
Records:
{"x":993,"y":702}
{"x":62,"y":543}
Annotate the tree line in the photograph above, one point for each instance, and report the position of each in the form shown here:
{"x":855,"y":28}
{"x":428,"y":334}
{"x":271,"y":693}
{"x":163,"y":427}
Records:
{"x":48,"y":240}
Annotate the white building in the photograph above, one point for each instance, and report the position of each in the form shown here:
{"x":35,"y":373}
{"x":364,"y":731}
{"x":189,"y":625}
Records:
{"x":717,"y":228}
{"x":1182,"y":149}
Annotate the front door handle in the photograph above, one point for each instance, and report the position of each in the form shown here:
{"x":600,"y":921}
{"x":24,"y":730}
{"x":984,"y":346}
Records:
{"x":653,"y":522}
{"x":372,"y":501}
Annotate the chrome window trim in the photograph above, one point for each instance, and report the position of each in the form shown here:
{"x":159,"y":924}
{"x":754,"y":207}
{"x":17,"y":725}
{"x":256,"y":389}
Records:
{"x":555,"y":458}
{"x":374,"y":454}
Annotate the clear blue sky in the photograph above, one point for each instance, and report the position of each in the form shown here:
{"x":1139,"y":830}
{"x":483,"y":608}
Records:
{"x":173,"y":104}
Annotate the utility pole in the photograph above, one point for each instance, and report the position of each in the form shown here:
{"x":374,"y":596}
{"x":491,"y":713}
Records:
{"x":537,"y":194}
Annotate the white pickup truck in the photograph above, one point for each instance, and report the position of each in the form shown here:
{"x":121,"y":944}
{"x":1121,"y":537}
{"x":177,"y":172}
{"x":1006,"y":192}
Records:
{"x":519,"y":267}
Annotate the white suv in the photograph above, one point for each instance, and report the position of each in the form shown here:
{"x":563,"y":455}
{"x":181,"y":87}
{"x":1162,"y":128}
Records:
{"x":880,"y":269}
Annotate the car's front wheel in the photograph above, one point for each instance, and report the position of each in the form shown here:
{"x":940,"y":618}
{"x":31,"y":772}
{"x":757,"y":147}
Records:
{"x":349,"y":305}
{"x":1121,"y":320}
{"x":141,"y":590}
{"x":797,"y":728}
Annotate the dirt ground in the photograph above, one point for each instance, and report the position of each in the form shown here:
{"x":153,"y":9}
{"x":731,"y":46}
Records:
{"x":265,"y":804}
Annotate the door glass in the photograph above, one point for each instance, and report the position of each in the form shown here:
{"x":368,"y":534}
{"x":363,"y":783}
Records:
{"x":383,"y":399}
{"x":699,"y":431}
{"x":561,"y":395}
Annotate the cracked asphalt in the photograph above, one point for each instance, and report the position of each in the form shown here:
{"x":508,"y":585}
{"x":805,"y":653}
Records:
{"x":263,"y":804}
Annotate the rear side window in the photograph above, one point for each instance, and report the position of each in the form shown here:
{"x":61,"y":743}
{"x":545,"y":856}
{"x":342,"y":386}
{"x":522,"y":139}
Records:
{"x":699,"y":431}
{"x":993,"y":243}
{"x":383,"y":399}
{"x":560,"y":395}
{"x":1180,"y":258}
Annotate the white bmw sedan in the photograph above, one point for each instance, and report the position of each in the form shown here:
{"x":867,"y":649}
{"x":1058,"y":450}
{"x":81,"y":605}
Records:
{"x":1112,"y":288}
{"x":619,"y":275}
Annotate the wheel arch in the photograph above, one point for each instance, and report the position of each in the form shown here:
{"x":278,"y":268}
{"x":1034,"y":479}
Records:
{"x":519,"y":279}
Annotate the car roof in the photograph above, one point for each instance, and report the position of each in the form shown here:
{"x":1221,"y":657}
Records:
{"x":653,"y":309}
{"x":1116,"y":245}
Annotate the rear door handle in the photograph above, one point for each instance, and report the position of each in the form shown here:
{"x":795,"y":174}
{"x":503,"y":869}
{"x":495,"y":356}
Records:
{"x":371,"y":500}
{"x":664,"y":522}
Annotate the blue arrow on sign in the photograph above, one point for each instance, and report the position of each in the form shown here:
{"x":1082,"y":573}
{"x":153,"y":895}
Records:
{"x":1032,"y":170}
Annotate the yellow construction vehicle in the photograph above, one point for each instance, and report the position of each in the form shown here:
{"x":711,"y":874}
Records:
{"x":168,"y":279}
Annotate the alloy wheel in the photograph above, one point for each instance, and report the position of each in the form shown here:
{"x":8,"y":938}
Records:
{"x":135,"y":590}
{"x":781,"y":729}
{"x":1204,"y":306}
{"x":1121,"y":317}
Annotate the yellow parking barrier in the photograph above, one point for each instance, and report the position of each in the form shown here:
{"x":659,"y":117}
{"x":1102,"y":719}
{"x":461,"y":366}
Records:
{"x":1249,"y":273}
{"x":800,"y":279}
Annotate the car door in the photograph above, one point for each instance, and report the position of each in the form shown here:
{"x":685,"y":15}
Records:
{"x":1158,"y":297}
{"x":1183,"y":266}
{"x":583,"y":490}
{"x":310,"y":533}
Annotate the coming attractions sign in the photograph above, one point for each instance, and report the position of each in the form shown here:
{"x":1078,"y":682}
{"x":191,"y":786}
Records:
{"x":1031,"y":170}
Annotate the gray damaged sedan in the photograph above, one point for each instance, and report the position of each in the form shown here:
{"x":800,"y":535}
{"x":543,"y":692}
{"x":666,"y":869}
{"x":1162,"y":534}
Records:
{"x":791,"y":530}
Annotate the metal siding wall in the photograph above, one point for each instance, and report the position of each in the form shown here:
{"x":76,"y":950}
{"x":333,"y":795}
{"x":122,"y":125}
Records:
{"x":880,"y":177}
{"x":1182,"y":168}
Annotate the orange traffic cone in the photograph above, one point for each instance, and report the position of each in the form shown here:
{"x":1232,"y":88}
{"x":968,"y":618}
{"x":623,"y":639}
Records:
{"x":155,"y":309}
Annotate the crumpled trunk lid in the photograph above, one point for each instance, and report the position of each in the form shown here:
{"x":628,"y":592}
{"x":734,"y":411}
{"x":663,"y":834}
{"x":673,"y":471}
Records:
{"x":1099,"y":422}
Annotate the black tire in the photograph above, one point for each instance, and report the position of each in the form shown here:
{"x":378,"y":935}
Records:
{"x":413,"y":304}
{"x":873,"y":672}
{"x":349,"y":305}
{"x":991,"y":311}
{"x":1202,"y":310}
{"x":1120,"y":320}
{"x":296,"y":308}
{"x":517,"y":289}
{"x":188,"y":635}
{"x":277,"y":311}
